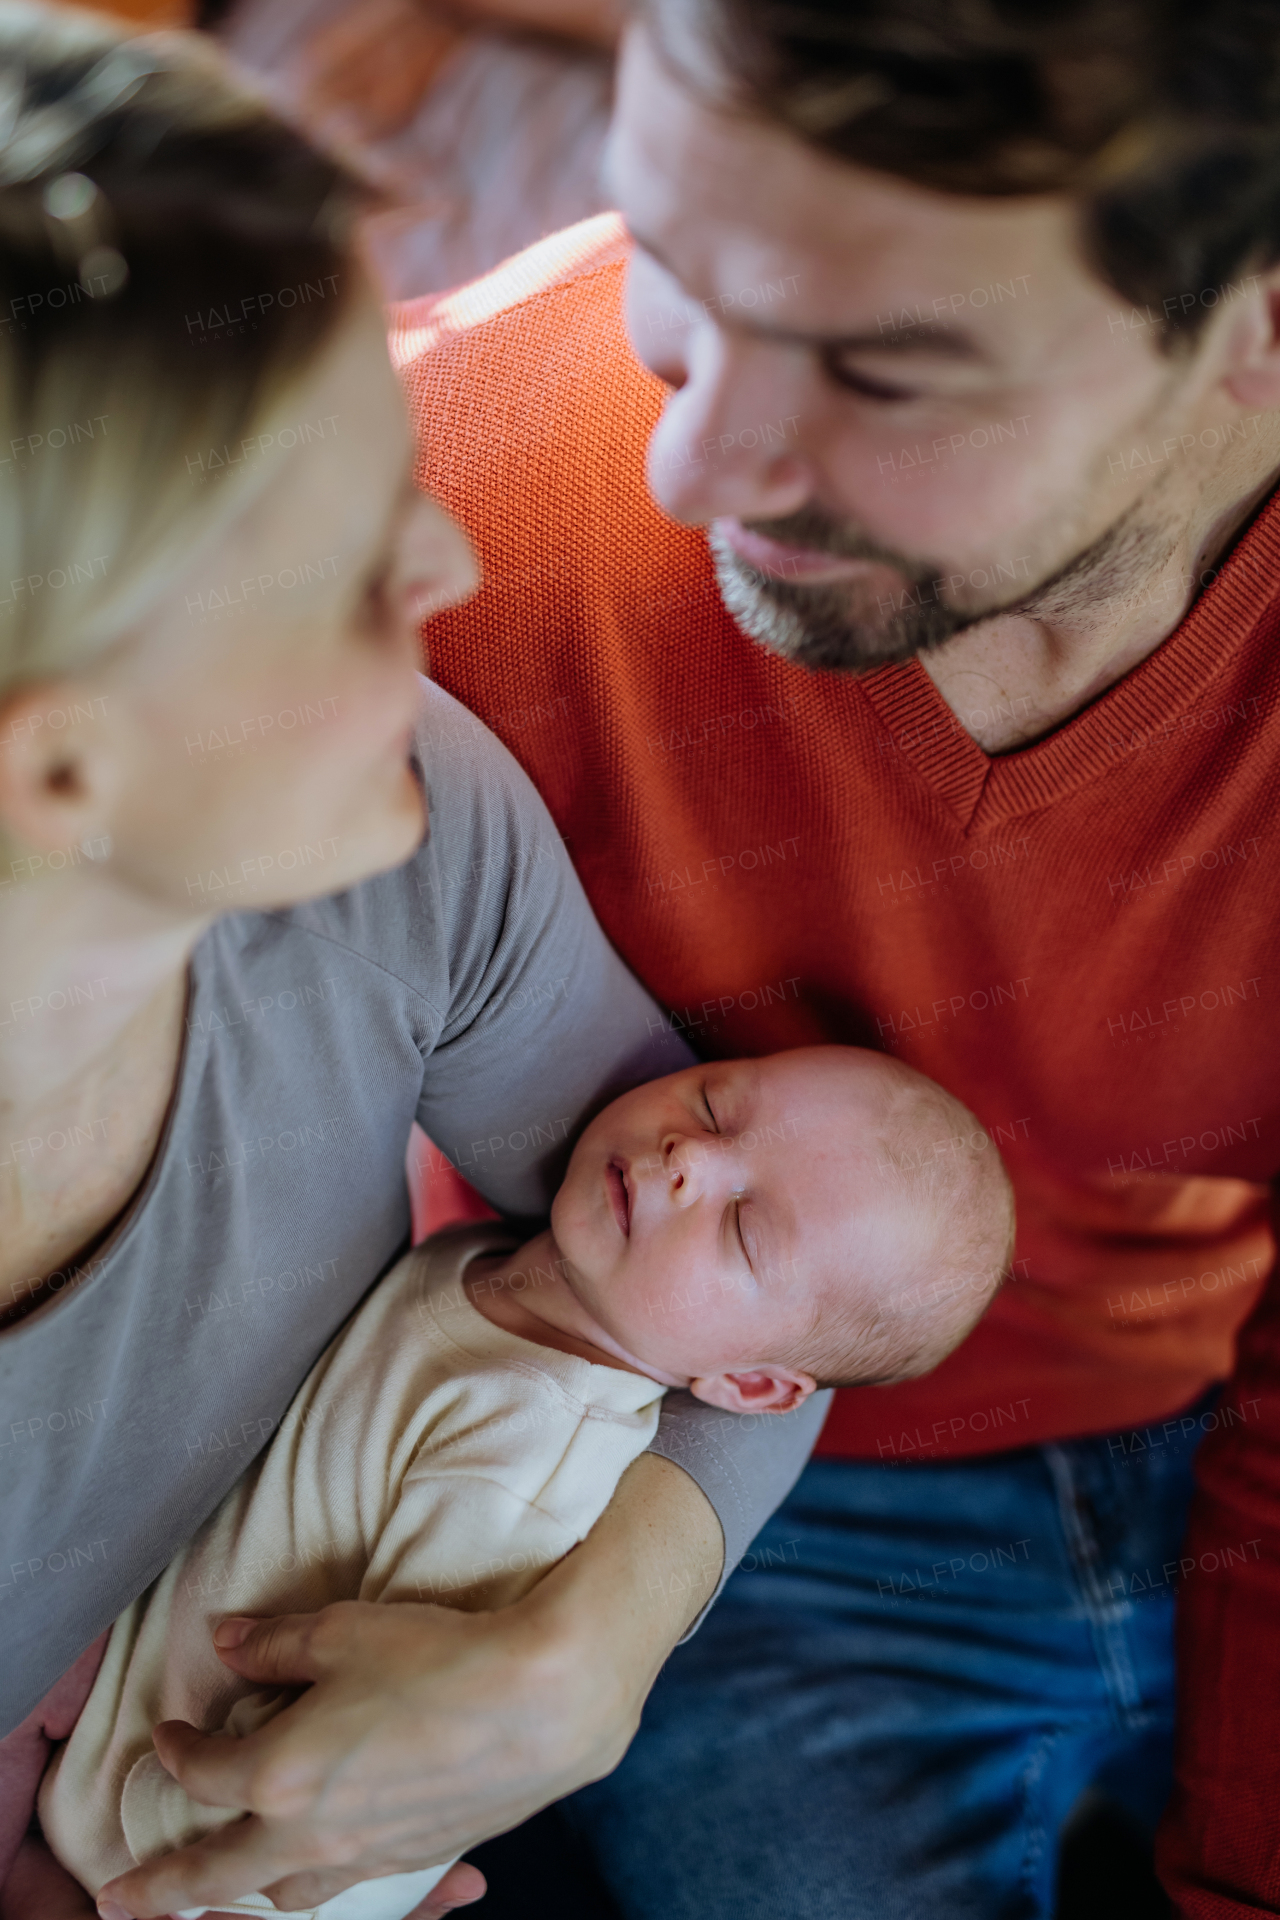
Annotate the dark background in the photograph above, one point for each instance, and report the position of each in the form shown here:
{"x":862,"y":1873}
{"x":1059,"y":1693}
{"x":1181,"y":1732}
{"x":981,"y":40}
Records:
{"x":539,"y":1873}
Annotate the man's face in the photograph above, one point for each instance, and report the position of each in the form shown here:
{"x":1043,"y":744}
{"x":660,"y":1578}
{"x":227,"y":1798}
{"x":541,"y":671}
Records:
{"x":898,"y":411}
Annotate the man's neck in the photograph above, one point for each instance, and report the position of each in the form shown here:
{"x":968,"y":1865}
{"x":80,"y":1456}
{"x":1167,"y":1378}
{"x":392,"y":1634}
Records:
{"x":1010,"y":681}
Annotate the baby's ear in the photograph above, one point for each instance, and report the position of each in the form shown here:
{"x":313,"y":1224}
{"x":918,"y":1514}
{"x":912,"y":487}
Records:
{"x":759,"y":1390}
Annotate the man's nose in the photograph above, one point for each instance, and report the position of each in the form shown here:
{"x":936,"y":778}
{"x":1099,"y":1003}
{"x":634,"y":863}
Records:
{"x":731,"y":441}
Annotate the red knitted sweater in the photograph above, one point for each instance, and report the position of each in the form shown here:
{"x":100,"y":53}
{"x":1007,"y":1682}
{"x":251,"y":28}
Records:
{"x":1079,"y":939}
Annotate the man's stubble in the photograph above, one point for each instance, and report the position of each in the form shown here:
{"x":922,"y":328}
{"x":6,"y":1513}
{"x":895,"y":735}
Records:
{"x":842,"y":627}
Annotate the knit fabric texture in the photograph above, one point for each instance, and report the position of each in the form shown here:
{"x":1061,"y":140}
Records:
{"x":1079,"y":939}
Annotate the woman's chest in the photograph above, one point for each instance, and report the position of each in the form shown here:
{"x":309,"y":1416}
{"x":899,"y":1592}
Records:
{"x":138,"y":1394}
{"x":72,"y":1161}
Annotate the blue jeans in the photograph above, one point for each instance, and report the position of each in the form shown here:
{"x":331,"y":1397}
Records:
{"x":905,"y":1689}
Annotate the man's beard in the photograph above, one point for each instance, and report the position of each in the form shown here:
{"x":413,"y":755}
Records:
{"x":846,"y":626}
{"x":840,"y":625}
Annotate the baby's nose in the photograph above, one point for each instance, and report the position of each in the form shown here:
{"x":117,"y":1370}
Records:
{"x":681,"y":1163}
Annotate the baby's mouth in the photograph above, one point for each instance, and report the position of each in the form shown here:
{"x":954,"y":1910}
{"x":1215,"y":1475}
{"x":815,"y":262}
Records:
{"x":615,"y":1181}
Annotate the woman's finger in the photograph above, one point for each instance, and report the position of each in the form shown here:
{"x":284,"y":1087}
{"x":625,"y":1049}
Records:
{"x":286,"y":1648}
{"x":234,"y":1860}
{"x":262,"y":1773}
{"x":179,"y":1746}
{"x":461,"y":1885}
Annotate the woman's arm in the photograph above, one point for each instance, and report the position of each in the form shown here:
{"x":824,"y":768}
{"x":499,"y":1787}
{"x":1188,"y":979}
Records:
{"x":425,"y":1730}
{"x":745,"y":1465}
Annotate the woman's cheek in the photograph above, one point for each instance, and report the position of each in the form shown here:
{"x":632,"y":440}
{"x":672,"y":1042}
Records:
{"x":353,"y":737}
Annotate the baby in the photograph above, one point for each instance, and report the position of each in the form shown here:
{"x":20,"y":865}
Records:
{"x":748,"y":1229}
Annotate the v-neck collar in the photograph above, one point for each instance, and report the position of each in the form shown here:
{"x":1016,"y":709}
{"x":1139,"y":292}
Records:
{"x":982,"y":789}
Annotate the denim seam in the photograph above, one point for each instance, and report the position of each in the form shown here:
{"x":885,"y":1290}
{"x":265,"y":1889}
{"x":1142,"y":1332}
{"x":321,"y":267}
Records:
{"x":1107,"y":1617}
{"x":1033,"y":1820}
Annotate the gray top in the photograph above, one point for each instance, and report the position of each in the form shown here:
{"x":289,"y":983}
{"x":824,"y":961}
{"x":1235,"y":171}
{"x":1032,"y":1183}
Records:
{"x":471,"y":989}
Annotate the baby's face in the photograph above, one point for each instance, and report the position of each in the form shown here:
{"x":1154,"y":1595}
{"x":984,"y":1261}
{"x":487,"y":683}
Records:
{"x":704,"y":1217}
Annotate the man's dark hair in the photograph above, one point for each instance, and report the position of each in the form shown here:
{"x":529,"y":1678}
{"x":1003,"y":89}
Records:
{"x":1162,"y":116}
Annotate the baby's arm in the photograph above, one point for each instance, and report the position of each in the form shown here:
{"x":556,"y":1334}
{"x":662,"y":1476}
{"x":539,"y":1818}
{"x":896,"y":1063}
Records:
{"x":455,"y":1538}
{"x":460,"y":1539}
{"x":158,"y":1815}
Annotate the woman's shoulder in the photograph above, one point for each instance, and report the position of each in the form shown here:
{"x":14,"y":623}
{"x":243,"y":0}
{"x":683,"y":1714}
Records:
{"x":490,"y":831}
{"x":469,"y":774}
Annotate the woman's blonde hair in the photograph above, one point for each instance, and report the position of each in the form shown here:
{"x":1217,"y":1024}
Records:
{"x":172,"y":261}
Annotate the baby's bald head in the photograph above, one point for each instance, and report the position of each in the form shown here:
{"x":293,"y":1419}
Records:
{"x":751,"y":1227}
{"x":929,"y":1243}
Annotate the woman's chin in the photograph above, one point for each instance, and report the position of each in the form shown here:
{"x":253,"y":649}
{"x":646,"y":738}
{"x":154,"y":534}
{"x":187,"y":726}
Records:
{"x":386,"y":851}
{"x":374,"y":846}
{"x":395,"y":837}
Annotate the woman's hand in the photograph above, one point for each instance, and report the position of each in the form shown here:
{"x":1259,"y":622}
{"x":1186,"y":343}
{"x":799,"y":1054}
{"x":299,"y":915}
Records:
{"x":460,"y":1886}
{"x":423,"y":1730}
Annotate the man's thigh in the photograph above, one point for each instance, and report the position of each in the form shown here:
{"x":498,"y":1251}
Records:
{"x":900,"y":1696}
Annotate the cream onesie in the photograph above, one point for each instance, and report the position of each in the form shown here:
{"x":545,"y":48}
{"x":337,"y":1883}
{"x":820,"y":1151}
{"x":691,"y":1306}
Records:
{"x":428,"y":1456}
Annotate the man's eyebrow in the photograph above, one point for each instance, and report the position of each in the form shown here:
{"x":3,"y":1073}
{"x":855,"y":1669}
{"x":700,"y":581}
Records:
{"x":920,"y":335}
{"x":927,"y":336}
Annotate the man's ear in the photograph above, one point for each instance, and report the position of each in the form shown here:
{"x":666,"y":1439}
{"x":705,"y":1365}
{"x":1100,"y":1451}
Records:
{"x":766,"y":1389}
{"x":54,"y":779}
{"x":1253,"y":379}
